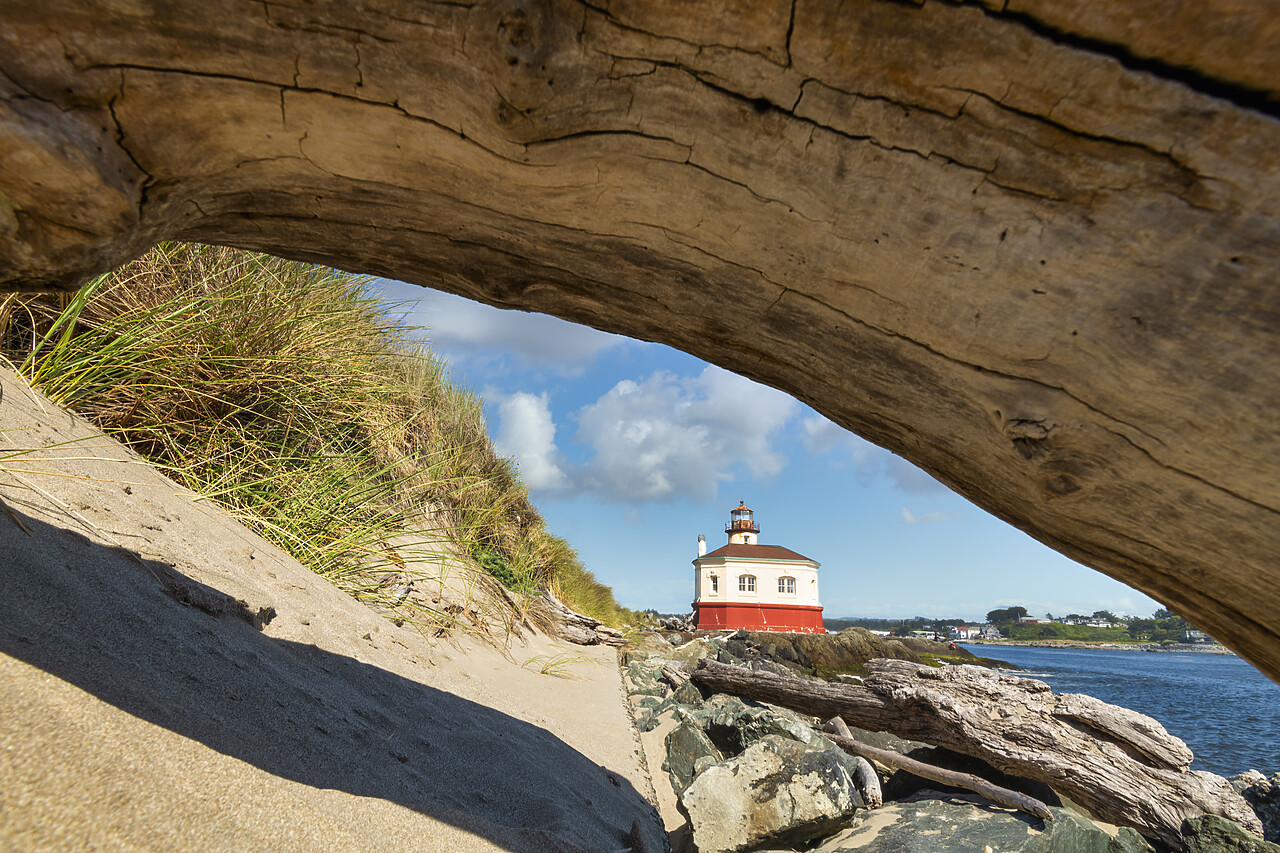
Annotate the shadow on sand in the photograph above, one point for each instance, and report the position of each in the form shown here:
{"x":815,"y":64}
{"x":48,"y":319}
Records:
{"x":111,"y":624}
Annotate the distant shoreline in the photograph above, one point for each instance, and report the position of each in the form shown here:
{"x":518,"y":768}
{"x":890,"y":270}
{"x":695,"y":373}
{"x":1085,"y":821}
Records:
{"x":1199,"y":648}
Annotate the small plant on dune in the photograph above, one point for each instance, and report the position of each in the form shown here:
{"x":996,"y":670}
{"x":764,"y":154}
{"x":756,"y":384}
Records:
{"x":289,"y":395}
{"x":558,"y":666}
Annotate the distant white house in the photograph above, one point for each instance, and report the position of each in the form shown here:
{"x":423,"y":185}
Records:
{"x":963,"y":632}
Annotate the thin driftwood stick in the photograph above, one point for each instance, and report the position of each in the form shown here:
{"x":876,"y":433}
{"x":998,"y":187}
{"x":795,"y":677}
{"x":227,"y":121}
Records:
{"x":866,"y":778}
{"x":968,"y":781}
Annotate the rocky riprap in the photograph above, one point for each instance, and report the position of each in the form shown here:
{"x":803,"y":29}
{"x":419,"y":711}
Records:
{"x":753,"y":776}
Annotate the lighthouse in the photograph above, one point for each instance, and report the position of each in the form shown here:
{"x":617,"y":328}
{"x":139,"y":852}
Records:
{"x":757,"y":587}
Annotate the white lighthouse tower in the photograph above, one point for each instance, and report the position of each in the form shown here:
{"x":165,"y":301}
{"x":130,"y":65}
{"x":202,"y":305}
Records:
{"x":757,"y":587}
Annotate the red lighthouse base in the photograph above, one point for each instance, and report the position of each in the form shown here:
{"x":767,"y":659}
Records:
{"x":786,"y":618}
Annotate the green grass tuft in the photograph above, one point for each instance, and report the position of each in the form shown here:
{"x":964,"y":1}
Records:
{"x":289,"y":395}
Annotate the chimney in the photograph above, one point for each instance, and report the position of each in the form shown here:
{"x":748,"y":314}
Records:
{"x":702,"y":545}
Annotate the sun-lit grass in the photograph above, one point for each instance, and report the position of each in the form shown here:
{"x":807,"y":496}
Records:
{"x":288,"y":394}
{"x":558,"y":666}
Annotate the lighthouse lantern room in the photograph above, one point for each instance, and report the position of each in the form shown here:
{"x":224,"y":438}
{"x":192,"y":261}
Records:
{"x":757,"y":587}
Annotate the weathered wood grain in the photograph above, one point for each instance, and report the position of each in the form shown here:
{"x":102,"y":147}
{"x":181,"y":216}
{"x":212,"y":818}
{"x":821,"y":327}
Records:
{"x":1032,"y":247}
{"x":1120,"y":765}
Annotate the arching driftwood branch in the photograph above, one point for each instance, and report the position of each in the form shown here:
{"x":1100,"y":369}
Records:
{"x":1033,"y":250}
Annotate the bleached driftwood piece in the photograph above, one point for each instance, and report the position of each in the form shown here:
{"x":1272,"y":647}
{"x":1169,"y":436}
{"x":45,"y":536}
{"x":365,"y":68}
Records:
{"x":675,"y":674}
{"x":1120,"y":765}
{"x":994,"y":793}
{"x":866,"y":778}
{"x":568,"y":624}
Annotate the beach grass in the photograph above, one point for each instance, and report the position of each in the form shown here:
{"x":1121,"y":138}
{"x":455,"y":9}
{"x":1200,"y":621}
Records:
{"x":290,"y":395}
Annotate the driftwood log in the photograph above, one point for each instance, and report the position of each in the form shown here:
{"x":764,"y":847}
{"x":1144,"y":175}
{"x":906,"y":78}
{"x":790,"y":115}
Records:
{"x":1120,"y":765}
{"x":996,"y":793}
{"x":559,"y":620}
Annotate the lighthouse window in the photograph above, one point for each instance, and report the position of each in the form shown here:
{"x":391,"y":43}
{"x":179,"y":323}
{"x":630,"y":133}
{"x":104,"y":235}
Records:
{"x":715,"y":584}
{"x":787,"y":586}
{"x":746,"y":583}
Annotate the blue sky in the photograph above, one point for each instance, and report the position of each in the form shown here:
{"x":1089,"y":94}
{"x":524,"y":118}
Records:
{"x":632,"y":449}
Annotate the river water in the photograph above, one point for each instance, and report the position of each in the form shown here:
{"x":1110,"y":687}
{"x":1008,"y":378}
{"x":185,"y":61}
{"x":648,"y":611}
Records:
{"x":1223,"y":708}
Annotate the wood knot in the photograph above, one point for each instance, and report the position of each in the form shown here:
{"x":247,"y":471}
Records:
{"x":1061,"y":484}
{"x":1029,"y":436}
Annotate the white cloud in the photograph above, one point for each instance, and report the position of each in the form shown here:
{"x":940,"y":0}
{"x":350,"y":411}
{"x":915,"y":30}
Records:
{"x":909,"y":517}
{"x":667,"y":437}
{"x":459,"y":328}
{"x":821,"y":435}
{"x":527,"y":432}
{"x":909,"y":478}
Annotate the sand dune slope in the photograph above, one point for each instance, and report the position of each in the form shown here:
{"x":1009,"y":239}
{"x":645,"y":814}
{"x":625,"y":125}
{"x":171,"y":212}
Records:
{"x":143,"y":705}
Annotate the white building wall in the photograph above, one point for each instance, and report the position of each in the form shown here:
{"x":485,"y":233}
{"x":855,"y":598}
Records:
{"x":766,"y":572}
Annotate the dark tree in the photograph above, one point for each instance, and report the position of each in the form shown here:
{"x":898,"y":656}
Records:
{"x":1005,"y":615}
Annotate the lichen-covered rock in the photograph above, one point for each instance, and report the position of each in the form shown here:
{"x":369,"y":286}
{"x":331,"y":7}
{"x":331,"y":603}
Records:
{"x":1214,"y":834}
{"x":733,"y":725}
{"x":689,"y":751}
{"x":1263,"y":796}
{"x":777,"y":792}
{"x":941,"y":823}
{"x":643,"y":680}
{"x":689,"y":694}
{"x":725,"y":656}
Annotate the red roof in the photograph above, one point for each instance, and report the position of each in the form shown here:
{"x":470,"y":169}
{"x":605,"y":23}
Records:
{"x":758,"y":552}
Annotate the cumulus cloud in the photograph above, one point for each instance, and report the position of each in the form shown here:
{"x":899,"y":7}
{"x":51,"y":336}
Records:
{"x":667,"y":437}
{"x":527,"y":432}
{"x":459,"y":328}
{"x":820,"y":434}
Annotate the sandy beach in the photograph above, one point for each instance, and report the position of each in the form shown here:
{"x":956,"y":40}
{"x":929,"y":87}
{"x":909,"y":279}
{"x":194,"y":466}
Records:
{"x":173,"y":681}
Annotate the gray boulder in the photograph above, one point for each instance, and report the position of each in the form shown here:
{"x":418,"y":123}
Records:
{"x":1263,"y":795}
{"x":688,"y":694}
{"x":643,"y":678}
{"x":940,"y":823}
{"x":733,"y":725}
{"x":689,"y":752}
{"x":777,"y":792}
{"x":724,"y":655}
{"x":1214,"y":834}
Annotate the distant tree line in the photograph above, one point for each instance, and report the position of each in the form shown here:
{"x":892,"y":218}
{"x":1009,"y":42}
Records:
{"x":1163,"y":626}
{"x":896,"y":627}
